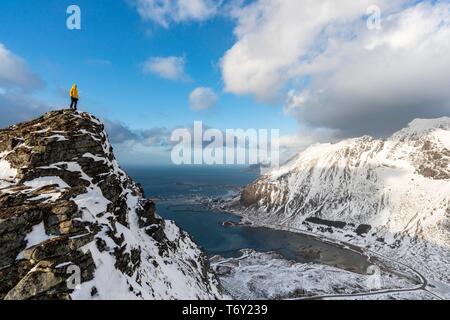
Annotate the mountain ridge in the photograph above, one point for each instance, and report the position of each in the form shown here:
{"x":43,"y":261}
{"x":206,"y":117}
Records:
{"x":385,"y":183}
{"x":67,"y":206}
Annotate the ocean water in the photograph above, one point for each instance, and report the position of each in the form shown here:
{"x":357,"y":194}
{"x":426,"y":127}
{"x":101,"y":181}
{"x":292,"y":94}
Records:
{"x":171,"y":182}
{"x":176,"y":189}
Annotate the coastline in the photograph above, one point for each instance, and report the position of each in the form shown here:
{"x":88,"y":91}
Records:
{"x":379,"y":254}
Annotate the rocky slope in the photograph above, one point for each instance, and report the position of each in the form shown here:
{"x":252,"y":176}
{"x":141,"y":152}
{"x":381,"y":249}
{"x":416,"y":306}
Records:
{"x":67,"y":209}
{"x":385,"y":189}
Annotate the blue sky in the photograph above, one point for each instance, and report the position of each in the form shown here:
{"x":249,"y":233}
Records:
{"x":105,"y":57}
{"x":267,"y":64}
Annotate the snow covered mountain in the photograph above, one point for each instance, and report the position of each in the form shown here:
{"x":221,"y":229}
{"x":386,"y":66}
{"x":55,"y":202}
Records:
{"x":386,"y":189}
{"x":67,"y":209}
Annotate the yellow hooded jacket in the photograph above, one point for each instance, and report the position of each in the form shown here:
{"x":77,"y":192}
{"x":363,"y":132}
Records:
{"x":74,"y":92}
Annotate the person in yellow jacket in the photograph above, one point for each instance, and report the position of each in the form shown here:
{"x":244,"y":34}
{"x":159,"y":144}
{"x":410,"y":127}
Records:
{"x":74,"y":97}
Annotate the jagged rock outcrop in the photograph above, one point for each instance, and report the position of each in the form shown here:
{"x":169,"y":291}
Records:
{"x":383,"y":188}
{"x":73,"y":225}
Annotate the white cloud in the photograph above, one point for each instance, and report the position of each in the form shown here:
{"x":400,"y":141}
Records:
{"x":306,"y":137}
{"x":165,"y":12}
{"x":291,"y":144}
{"x":202,"y":98}
{"x":339,"y":74}
{"x":273,"y":37}
{"x":158,"y":136}
{"x":15,"y":73}
{"x":171,"y":68}
{"x":120,"y":133}
{"x":19,"y":107}
{"x":17,"y":82}
{"x":380,"y":81}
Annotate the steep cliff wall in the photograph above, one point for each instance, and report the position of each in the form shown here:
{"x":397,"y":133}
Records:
{"x":389,"y":188}
{"x":66,"y":206}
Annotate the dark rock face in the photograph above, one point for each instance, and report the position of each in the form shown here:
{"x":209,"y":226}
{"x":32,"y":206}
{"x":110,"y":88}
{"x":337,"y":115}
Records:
{"x":69,"y":197}
{"x":334,"y":224}
{"x":435,"y":162}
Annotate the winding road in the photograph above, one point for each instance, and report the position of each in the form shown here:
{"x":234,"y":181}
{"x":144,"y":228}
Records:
{"x":423,"y":282}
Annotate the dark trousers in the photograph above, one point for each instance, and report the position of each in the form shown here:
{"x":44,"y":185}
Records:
{"x":73,"y":104}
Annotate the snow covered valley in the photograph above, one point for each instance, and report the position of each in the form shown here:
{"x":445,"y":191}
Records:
{"x":388,"y":197}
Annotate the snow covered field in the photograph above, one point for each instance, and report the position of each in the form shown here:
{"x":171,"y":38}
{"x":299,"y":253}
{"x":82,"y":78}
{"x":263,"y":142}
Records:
{"x":257,"y":275}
